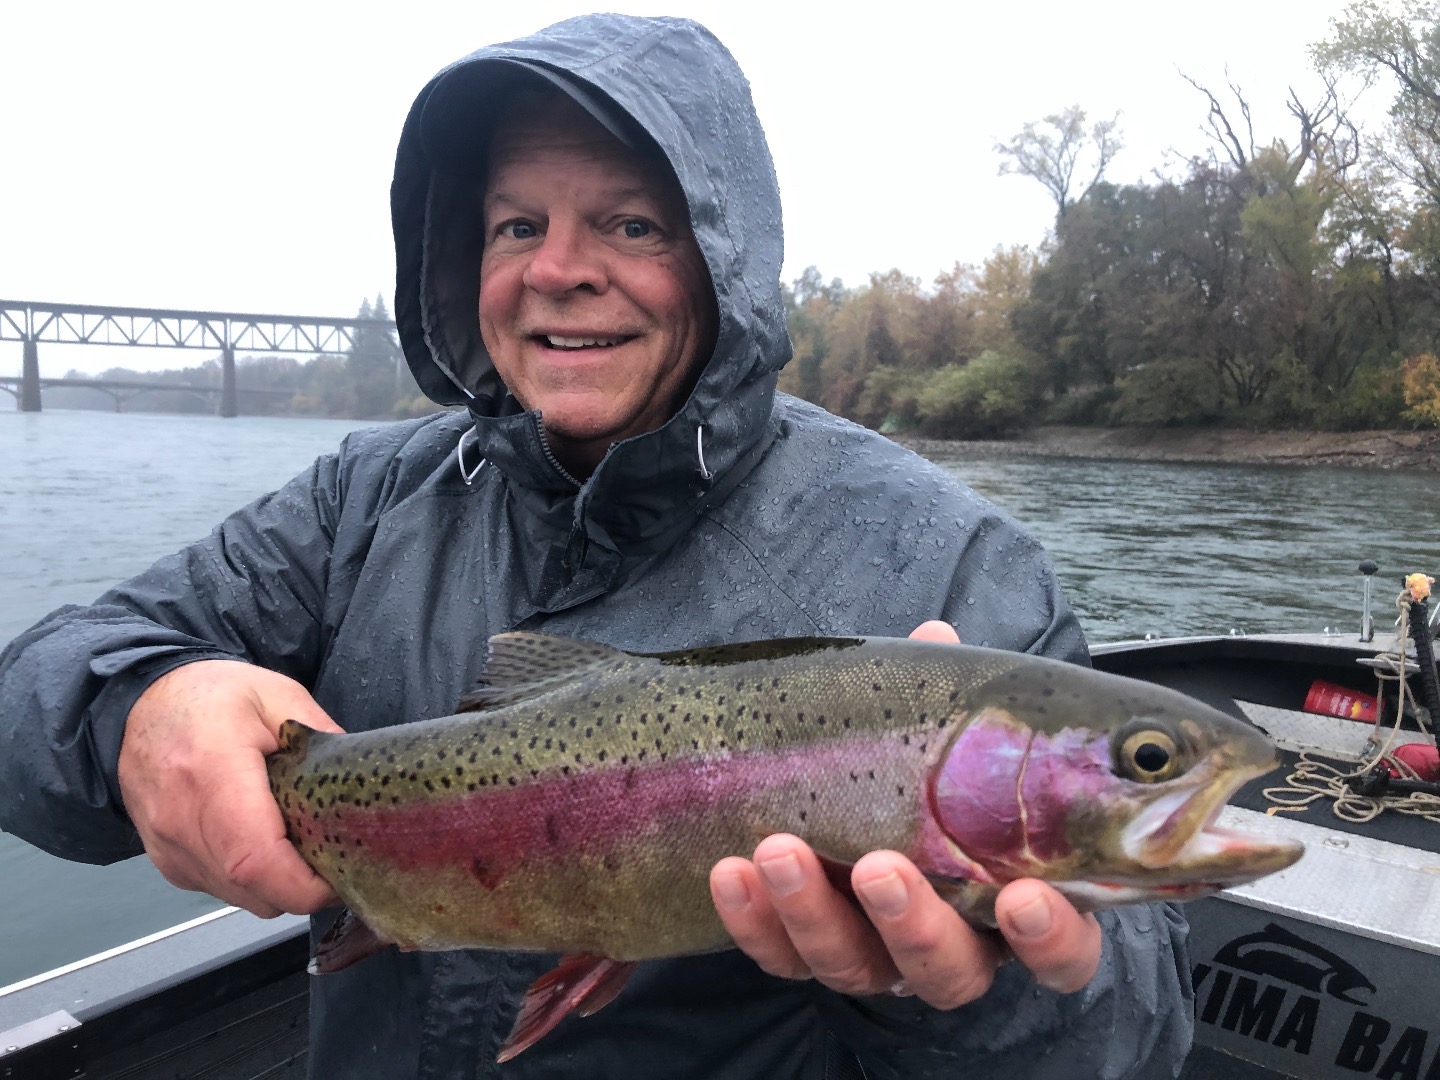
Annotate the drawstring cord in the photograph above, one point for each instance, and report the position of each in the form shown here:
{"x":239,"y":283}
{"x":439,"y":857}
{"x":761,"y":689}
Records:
{"x":467,"y":475}
{"x":700,"y":450}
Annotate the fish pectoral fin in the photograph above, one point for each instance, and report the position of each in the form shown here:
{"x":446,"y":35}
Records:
{"x":348,"y":941}
{"x":523,"y":664}
{"x":580,"y":983}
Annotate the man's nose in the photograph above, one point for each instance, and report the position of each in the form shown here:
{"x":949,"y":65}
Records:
{"x":569,"y":257}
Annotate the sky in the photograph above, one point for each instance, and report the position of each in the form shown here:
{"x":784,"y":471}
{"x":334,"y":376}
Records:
{"x":237,"y":157}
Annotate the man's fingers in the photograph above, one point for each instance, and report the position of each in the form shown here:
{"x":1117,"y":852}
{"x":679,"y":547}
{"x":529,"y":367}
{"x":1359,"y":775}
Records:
{"x":1060,"y":946}
{"x":943,"y":960}
{"x":253,"y":864}
{"x":751,"y":920}
{"x":284,"y":699}
{"x":935,"y":630}
{"x":839,"y":947}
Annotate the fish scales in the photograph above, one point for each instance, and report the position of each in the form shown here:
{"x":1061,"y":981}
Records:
{"x":577,"y":802}
{"x":565,"y":806}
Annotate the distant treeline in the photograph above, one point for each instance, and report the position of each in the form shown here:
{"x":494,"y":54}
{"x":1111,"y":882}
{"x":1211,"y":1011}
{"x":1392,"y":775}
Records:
{"x":371,"y":381}
{"x":1288,"y":282}
{"x":1293,"y":282}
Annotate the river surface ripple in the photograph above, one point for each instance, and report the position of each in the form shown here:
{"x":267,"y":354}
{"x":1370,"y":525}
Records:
{"x":89,"y":498}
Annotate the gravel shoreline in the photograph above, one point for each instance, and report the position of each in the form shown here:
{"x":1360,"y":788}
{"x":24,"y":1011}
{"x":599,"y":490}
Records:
{"x":1405,"y":450}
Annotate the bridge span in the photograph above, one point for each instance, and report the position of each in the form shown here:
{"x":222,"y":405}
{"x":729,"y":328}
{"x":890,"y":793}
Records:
{"x":33,"y":322}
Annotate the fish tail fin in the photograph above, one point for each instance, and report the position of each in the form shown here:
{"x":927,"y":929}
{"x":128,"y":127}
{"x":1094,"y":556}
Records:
{"x":294,"y":737}
{"x":581,"y":983}
{"x":348,"y":941}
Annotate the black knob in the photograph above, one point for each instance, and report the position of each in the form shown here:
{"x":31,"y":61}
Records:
{"x":1367,"y":567}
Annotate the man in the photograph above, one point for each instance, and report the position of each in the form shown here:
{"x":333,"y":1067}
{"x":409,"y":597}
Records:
{"x":587,"y":229}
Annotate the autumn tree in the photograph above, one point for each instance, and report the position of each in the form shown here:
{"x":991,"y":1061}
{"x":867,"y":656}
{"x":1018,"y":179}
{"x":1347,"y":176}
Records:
{"x":1063,"y":154}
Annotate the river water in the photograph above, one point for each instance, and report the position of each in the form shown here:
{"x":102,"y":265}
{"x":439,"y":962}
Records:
{"x":88,"y":498}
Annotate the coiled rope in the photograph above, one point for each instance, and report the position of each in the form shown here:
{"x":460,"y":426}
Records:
{"x":1314,"y":779}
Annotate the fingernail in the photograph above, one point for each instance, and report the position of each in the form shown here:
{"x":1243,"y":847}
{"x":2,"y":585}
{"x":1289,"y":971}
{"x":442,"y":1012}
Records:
{"x":886,"y":895}
{"x":782,"y":874}
{"x":731,"y":893}
{"x":1032,"y":919}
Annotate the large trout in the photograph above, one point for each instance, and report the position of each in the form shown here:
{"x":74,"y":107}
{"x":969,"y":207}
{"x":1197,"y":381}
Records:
{"x":578,"y":800}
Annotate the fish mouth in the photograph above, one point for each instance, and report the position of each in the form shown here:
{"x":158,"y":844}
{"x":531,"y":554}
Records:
{"x":1175,"y":835}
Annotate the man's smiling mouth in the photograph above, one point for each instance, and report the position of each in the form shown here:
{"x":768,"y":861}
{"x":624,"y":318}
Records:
{"x":557,"y":341}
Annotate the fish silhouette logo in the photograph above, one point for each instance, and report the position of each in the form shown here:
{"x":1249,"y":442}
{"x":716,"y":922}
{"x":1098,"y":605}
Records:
{"x":1284,"y":956}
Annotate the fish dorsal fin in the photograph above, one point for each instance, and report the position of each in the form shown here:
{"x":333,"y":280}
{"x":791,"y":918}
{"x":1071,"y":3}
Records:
{"x":523,"y":664}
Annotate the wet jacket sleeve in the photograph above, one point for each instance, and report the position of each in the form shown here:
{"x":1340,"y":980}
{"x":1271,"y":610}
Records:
{"x":251,"y":591}
{"x":1134,"y":1020}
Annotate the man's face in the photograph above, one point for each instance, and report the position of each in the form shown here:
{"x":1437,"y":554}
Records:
{"x":595,"y":304}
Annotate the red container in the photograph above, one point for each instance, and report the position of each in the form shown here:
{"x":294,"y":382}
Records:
{"x":1422,"y":758}
{"x":1327,"y":699}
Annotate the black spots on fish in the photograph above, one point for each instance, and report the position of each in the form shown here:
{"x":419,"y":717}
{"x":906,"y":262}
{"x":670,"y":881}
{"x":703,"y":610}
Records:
{"x":816,"y":798}
{"x":441,"y":755}
{"x":687,"y":718}
{"x":429,"y":785}
{"x":375,"y":773}
{"x":1049,"y":691}
{"x":846,"y":723}
{"x":495,"y":751}
{"x":359,"y":781}
{"x":784,"y":697}
{"x":549,"y":743}
{"x":564,"y":770}
{"x":562,"y":745}
{"x":803,"y":815}
{"x":876,"y":687}
{"x":905,"y":739}
{"x":394,"y":799}
{"x":473,"y":755}
{"x":310,"y":795}
{"x":720,"y":700}
{"x":390,"y":759}
{"x":698,"y":695}
{"x":673,"y":709}
{"x":799,"y":717}
{"x":878,"y":662}
{"x":924,"y":746}
{"x":571,"y":721}
{"x":659,"y":698}
{"x":739,"y":736}
{"x":600,"y":756}
{"x":619,"y":699}
{"x":695,"y":744}
{"x":589,"y":732}
{"x":870,"y":773}
{"x":888,"y":714}
{"x":444,"y":782}
{"x":1041,"y":709}
{"x":512,"y":781}
{"x":942,"y":721}
{"x":900,"y":790}
{"x":644,"y":718}
{"x":518,"y":759}
{"x":666,"y":729}
{"x":552,"y":834}
{"x":767,"y":719}
{"x":922,"y":684}
{"x":954,"y":694}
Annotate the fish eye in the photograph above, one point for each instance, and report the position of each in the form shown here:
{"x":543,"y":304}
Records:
{"x":1149,"y":756}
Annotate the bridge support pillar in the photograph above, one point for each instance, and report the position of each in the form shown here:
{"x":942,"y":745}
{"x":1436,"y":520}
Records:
{"x":228,"y":403}
{"x":30,"y":377}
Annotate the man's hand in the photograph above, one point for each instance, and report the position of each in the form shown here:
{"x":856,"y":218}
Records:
{"x":781,"y":910}
{"x":192,"y":774}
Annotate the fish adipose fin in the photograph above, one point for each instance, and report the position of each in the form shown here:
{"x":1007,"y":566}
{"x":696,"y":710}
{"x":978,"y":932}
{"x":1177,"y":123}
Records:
{"x":348,"y":941}
{"x":581,"y":983}
{"x":523,"y":665}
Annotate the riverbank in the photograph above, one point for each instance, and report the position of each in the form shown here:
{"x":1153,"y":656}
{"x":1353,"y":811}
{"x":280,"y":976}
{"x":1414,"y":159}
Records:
{"x":1401,"y":450}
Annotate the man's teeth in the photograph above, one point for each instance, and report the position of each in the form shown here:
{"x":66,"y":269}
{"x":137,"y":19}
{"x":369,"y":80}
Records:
{"x":557,"y":342}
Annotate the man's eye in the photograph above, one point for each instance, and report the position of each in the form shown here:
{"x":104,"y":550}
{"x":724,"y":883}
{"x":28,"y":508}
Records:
{"x":636,"y":229}
{"x":519,"y":230}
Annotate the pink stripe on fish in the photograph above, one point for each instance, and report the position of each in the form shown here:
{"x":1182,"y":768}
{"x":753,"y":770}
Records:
{"x":494,"y":831}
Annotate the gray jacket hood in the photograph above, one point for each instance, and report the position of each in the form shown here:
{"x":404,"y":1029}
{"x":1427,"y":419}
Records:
{"x":677,"y":83}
